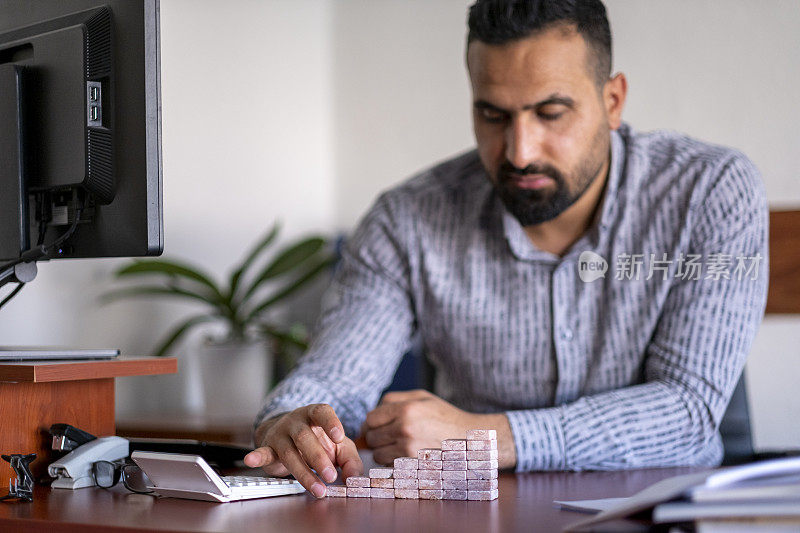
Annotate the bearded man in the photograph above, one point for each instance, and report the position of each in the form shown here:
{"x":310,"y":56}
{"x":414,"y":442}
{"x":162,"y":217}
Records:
{"x":589,"y":291}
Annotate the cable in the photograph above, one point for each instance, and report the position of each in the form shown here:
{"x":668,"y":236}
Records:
{"x":36,"y":253}
{"x":11,"y":295}
{"x":39,"y":251}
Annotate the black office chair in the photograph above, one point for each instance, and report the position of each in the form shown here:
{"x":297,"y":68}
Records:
{"x":737,"y":440}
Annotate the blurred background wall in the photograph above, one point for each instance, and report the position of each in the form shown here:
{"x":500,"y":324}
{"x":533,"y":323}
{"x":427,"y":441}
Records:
{"x":303,"y":110}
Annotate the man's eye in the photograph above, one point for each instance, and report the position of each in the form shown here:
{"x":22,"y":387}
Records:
{"x":550,"y":116}
{"x":550,"y":112}
{"x":492,"y":115}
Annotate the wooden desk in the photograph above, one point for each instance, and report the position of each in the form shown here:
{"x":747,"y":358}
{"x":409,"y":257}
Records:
{"x":525,"y":504}
{"x":231,"y":430}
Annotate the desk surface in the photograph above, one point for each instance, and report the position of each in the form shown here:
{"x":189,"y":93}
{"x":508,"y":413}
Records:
{"x":525,"y":504}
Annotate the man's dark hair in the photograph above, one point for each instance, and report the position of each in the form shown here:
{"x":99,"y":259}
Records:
{"x":503,"y":21}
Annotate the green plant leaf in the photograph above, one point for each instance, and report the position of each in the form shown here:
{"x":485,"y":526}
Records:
{"x":260,"y":247}
{"x":154,"y":291}
{"x":170,"y":268}
{"x":179,"y":331}
{"x":288,"y":259}
{"x":291,"y":288}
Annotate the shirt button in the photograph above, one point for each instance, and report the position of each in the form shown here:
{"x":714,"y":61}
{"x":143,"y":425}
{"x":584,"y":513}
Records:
{"x":566,"y":334}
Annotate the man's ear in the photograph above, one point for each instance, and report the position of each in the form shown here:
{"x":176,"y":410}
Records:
{"x":614,"y":93}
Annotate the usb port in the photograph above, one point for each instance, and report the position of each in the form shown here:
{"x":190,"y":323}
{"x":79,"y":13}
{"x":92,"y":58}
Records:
{"x":94,"y":93}
{"x":95,"y":112}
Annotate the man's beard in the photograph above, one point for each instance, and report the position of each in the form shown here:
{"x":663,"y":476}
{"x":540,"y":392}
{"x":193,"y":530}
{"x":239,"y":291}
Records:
{"x":534,"y":206}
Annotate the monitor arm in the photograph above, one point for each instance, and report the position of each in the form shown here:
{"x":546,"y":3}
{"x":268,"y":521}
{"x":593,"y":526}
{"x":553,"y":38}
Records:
{"x":19,"y":273}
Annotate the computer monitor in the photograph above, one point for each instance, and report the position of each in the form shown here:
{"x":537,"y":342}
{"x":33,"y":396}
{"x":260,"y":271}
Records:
{"x":80,"y":130}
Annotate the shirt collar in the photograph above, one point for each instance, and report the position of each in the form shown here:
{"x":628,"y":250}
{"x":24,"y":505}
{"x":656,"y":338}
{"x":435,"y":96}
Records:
{"x":597,"y":236}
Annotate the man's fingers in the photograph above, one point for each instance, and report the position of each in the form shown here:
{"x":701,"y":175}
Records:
{"x":308,"y":444}
{"x":263,"y":456}
{"x":404,"y":396}
{"x":383,"y":435}
{"x":382,"y":415}
{"x":387,"y":454}
{"x":325,"y":441}
{"x":276,"y":469}
{"x":290,"y":457}
{"x":323,"y":415}
{"x":347,"y":457}
{"x":267,"y":459}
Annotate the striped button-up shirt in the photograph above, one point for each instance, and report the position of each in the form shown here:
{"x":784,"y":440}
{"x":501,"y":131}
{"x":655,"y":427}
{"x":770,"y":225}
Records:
{"x":621,"y":353}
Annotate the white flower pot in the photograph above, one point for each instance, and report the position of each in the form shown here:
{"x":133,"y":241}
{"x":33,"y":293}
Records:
{"x":235,"y":376}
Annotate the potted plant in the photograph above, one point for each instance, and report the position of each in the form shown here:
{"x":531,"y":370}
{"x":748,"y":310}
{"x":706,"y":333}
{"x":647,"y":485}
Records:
{"x":237,"y":367}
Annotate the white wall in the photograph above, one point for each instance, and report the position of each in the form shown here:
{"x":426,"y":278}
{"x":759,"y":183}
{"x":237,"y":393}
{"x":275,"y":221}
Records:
{"x":339,"y":99}
{"x":402,"y":97}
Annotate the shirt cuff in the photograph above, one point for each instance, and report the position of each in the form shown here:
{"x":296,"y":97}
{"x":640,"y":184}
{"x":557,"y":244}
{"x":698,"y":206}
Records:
{"x":538,"y":439}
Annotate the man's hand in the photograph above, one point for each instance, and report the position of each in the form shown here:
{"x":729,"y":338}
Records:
{"x":306,"y":438}
{"x":405,"y":422}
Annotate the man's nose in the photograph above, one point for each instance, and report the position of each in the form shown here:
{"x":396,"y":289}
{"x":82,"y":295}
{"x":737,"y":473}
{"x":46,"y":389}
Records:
{"x":523,"y":143}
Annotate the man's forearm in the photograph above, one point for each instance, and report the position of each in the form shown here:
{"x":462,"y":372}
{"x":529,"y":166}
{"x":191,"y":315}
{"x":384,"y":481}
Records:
{"x":648,"y":425}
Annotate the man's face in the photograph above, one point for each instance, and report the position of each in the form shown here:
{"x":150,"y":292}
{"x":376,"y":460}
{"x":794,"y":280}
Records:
{"x":540,"y":121}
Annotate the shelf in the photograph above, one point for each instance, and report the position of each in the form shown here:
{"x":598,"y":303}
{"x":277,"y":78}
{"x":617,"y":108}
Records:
{"x":72,"y":370}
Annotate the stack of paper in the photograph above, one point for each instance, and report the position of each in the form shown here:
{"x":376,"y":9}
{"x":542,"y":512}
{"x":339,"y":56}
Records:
{"x":768,"y":489}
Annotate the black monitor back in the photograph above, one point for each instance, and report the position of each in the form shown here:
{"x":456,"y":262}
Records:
{"x":111,"y":152}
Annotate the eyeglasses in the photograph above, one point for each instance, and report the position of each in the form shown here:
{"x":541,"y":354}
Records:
{"x":106,"y":474}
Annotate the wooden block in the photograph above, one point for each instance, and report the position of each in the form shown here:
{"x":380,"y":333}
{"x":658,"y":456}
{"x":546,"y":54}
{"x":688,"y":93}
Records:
{"x":482,"y":465}
{"x":479,"y":445}
{"x":481,"y":455}
{"x":483,"y":494}
{"x":429,"y":454}
{"x":406,"y":483}
{"x":482,"y":474}
{"x":454,"y":495}
{"x":429,"y":474}
{"x":406,"y":494}
{"x":405,"y":474}
{"x":357,"y":482}
{"x":454,"y":445}
{"x":406,"y":463}
{"x":336,"y":491}
{"x":481,"y":434}
{"x":454,"y":455}
{"x":482,"y":484}
{"x":375,"y":492}
{"x":454,"y":484}
{"x":358,"y":492}
{"x":430,"y":465}
{"x":454,"y":465}
{"x":381,"y":483}
{"x":431,"y":484}
{"x":454,"y":474}
{"x":380,"y":473}
{"x":431,"y":494}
